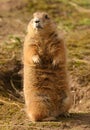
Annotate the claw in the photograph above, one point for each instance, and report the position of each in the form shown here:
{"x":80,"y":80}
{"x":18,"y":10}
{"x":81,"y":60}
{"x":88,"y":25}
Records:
{"x":55,"y":63}
{"x":66,"y":115}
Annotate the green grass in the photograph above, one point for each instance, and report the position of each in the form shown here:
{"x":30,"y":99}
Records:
{"x":83,"y":3}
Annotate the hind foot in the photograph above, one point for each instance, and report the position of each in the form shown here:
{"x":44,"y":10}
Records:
{"x":49,"y":119}
{"x":66,"y":115}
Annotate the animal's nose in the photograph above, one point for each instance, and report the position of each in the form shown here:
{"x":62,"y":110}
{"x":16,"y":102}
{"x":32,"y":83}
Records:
{"x":37,"y":21}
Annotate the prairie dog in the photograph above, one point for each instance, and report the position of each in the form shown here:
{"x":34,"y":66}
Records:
{"x":46,"y":88}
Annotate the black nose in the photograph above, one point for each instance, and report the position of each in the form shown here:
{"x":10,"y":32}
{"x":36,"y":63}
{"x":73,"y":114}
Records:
{"x":37,"y":21}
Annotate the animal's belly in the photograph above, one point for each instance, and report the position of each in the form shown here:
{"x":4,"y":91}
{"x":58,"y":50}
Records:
{"x":46,"y":77}
{"x":45,"y":85}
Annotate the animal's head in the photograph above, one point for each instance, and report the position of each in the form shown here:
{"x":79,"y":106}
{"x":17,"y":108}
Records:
{"x":41,"y":22}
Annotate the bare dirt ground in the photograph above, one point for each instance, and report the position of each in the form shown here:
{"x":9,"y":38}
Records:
{"x":14,"y":18}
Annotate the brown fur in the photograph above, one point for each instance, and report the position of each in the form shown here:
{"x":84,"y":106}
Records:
{"x":46,"y":88}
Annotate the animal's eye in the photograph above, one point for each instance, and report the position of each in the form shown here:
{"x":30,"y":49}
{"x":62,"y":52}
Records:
{"x":46,"y":16}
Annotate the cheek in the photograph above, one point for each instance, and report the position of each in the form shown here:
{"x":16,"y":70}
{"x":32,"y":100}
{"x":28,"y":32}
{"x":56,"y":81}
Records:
{"x":42,"y":23}
{"x":45,"y":24}
{"x":33,"y":25}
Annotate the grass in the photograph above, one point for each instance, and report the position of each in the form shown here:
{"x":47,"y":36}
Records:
{"x":13,"y":42}
{"x":11,"y":49}
{"x":83,"y":3}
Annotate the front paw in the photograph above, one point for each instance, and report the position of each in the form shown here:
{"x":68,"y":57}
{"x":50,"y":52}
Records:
{"x":55,"y":63}
{"x":36,"y":59}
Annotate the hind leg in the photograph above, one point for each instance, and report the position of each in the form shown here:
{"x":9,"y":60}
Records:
{"x":40,"y":118}
{"x":38,"y":111}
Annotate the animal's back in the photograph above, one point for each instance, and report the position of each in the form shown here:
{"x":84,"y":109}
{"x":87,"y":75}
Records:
{"x":46,"y":89}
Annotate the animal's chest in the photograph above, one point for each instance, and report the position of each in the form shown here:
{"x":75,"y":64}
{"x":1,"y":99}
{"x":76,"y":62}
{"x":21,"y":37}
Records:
{"x":44,"y":54}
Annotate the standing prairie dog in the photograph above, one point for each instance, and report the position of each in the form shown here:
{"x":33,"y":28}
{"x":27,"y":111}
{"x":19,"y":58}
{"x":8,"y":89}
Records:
{"x":46,"y":88}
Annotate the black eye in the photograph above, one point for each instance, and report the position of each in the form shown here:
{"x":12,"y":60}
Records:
{"x":46,"y":16}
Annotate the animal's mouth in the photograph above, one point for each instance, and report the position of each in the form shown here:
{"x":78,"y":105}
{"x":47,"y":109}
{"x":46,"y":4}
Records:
{"x":37,"y":23}
{"x":38,"y":26}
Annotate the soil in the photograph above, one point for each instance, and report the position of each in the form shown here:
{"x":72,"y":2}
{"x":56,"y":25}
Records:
{"x":14,"y":17}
